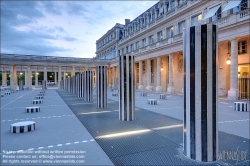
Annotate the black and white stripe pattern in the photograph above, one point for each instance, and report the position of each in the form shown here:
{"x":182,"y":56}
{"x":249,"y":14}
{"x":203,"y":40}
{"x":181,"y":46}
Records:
{"x":22,"y":127}
{"x":144,"y":94}
{"x":88,"y":85}
{"x":101,"y":86}
{"x":44,"y":84}
{"x":241,"y":106}
{"x":152,"y":101}
{"x":39,"y":97}
{"x":32,"y":109}
{"x":126,"y":88}
{"x":7,"y":93}
{"x":200,"y":93}
{"x":163,"y":96}
{"x":20,"y":85}
{"x":37,"y":101}
{"x":80,"y":85}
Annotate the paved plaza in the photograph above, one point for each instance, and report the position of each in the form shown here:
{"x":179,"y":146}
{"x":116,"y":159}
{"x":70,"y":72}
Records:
{"x":72,"y":131}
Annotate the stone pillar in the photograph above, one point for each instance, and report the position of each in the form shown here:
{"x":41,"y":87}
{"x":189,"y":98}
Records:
{"x":26,"y":78}
{"x":72,"y":71}
{"x":140,"y":76}
{"x":149,"y":87}
{"x":108,"y":77}
{"x":29,"y":77}
{"x":36,"y":79}
{"x":44,"y":85}
{"x":15,"y":77}
{"x":12,"y":77}
{"x":170,"y":89}
{"x":45,"y":74}
{"x":101,"y":86}
{"x":126,"y":88}
{"x":64,"y":75}
{"x":233,"y":92}
{"x":4,"y":78}
{"x":88,"y":85}
{"x":20,"y":85}
{"x":55,"y":78}
{"x":113,"y":77}
{"x":59,"y":76}
{"x":158,"y":70}
{"x":200,"y":137}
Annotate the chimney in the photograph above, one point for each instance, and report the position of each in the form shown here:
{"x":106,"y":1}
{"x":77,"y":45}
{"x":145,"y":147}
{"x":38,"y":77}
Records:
{"x":127,"y":21}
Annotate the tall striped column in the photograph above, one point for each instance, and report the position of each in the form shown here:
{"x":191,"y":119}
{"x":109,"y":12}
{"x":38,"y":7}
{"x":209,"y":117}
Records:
{"x":88,"y":85}
{"x":101,"y":86}
{"x":200,"y":93}
{"x":126,"y":88}
{"x":81,"y":85}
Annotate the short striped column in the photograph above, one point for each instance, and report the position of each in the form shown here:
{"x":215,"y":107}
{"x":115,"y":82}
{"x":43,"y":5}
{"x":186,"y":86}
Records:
{"x":20,"y":85}
{"x":101,"y":86}
{"x":44,"y":84}
{"x":144,"y":94}
{"x":241,"y":106}
{"x":152,"y":101}
{"x":200,"y":93}
{"x":32,"y":109}
{"x":163,"y":96}
{"x":22,"y":127}
{"x":88,"y":85}
{"x":126,"y":88}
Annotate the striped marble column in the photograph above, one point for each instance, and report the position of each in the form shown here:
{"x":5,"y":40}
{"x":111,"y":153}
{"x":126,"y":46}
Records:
{"x":101,"y":86}
{"x":200,"y":93}
{"x":126,"y":88}
{"x":80,"y":86}
{"x":88,"y":85}
{"x":44,"y":84}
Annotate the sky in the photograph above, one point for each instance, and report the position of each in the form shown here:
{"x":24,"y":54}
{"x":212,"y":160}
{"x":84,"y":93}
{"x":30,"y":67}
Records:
{"x":62,"y":28}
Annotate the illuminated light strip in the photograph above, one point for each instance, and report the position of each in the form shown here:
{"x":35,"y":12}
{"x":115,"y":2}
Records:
{"x":124,"y":133}
{"x":94,"y":112}
{"x":168,"y":127}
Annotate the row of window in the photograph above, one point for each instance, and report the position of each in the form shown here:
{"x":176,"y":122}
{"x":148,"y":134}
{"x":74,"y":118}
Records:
{"x":150,"y":17}
{"x":106,"y":40}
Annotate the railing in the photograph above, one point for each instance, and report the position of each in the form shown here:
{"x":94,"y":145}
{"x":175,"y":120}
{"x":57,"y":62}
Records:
{"x":244,"y":13}
{"x":181,"y":6}
{"x":170,"y":13}
{"x":47,"y":58}
{"x":244,"y":88}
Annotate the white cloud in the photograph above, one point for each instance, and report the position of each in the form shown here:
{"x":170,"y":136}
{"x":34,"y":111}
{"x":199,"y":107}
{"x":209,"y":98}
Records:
{"x":70,"y":28}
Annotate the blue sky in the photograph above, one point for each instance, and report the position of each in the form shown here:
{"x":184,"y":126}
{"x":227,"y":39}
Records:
{"x":62,"y":28}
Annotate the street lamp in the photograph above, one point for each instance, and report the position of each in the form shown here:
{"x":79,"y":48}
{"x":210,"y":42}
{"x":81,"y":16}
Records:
{"x":228,"y":61}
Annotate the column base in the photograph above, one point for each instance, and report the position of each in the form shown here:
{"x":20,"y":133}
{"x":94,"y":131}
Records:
{"x":170,"y":90}
{"x":149,"y":88}
{"x":232,"y":94}
{"x":141,"y":87}
{"x":158,"y":89}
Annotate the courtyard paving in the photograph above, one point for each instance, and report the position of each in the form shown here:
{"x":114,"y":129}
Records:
{"x":67,"y":124}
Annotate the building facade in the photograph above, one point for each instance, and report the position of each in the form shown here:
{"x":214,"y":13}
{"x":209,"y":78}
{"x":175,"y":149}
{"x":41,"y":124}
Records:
{"x":155,"y":39}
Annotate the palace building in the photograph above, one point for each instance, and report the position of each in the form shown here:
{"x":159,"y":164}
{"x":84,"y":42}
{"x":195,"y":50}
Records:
{"x":155,"y":39}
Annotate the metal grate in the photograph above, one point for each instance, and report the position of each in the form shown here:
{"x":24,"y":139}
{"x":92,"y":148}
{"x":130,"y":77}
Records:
{"x":154,"y":147}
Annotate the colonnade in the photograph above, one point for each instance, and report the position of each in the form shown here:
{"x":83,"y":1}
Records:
{"x":27,"y":71}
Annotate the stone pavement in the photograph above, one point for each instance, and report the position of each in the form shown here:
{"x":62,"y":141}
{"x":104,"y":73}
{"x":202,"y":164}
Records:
{"x":78,"y":126}
{"x":152,"y":139}
{"x":57,"y":130}
{"x":230,"y":121}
